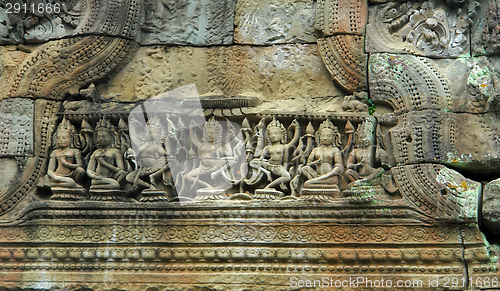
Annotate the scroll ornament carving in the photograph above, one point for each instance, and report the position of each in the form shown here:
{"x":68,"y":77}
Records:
{"x":259,"y":233}
{"x":49,"y":21}
{"x":407,"y":83}
{"x":430,"y":28}
{"x":344,"y":57}
{"x":66,"y":66}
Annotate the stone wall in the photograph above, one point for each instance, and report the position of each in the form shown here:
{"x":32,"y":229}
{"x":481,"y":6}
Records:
{"x":248,"y":145}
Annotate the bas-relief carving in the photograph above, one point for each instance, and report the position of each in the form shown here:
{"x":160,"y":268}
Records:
{"x":409,"y":83}
{"x":269,"y":73}
{"x":65,"y":172}
{"x":345,"y":59}
{"x":152,"y":173}
{"x":349,"y":172}
{"x":272,"y":159}
{"x":57,"y":68}
{"x":427,"y":28}
{"x":81,"y":17}
{"x":484,"y":28}
{"x":435,"y":136}
{"x":16,"y":127}
{"x":341,"y":16}
{"x":188,"y":22}
{"x":273,"y":22}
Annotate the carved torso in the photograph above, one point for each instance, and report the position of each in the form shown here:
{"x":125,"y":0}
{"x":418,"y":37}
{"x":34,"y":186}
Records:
{"x":210,"y":153}
{"x":326,"y":155}
{"x":109,"y":156}
{"x":276,"y":153}
{"x":67,"y":154}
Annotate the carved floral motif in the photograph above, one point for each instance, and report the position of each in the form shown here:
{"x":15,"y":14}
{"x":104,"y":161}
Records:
{"x":428,"y":28}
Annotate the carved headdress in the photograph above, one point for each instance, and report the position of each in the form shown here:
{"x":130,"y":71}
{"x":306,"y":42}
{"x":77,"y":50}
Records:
{"x":276,"y":124}
{"x":361,"y":138}
{"x":106,"y":125}
{"x":65,"y":125}
{"x":212,"y":123}
{"x":328,"y":125}
{"x":154,"y":124}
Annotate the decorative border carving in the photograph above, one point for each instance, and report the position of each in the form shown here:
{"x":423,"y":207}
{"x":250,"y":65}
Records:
{"x":345,"y":60}
{"x":65,"y":66}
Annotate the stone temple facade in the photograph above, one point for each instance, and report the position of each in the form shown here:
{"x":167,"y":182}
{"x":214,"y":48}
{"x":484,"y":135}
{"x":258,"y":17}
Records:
{"x":249,"y":145}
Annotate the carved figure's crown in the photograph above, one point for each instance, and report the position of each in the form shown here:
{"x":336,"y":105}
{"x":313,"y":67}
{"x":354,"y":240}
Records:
{"x":213,"y":123}
{"x":276,"y":124}
{"x":105,"y":124}
{"x":66,"y":126}
{"x":155,"y":124}
{"x":327,"y":124}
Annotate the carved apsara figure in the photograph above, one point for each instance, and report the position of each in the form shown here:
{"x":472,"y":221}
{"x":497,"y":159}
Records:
{"x":272,"y":159}
{"x":211,"y":154}
{"x":151,"y":159}
{"x":106,"y":166}
{"x":366,"y":157}
{"x":65,"y":173}
{"x":325,"y":164}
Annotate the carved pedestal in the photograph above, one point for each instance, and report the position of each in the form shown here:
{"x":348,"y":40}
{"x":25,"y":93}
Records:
{"x":68,"y":194}
{"x":153,"y":195}
{"x":107,"y":195}
{"x":267,"y":194}
{"x":320,"y":193}
{"x":210,"y":194}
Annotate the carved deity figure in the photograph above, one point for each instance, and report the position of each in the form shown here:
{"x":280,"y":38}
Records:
{"x":325,"y":163}
{"x":272,"y":159}
{"x":106,"y":167}
{"x":365,"y":158}
{"x":210,"y":153}
{"x":151,"y":160}
{"x":66,"y":164}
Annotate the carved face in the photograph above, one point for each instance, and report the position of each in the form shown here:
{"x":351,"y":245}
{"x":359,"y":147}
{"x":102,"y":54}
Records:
{"x":63,"y":139}
{"x":275,"y":134}
{"x":326,"y":136}
{"x":103,"y":138}
{"x":153,"y":133}
{"x":363,"y":140}
{"x":211,"y":133}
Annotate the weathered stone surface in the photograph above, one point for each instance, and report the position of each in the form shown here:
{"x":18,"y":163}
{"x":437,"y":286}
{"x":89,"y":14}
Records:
{"x":273,"y":21}
{"x":188,"y":22}
{"x":410,"y":83}
{"x":438,"y":191}
{"x":331,"y":190}
{"x":341,"y":16}
{"x":463,"y":141}
{"x":491,"y":208}
{"x":16,"y":127}
{"x":269,"y":73}
{"x":45,"y":21}
{"x":429,"y":28}
{"x":485,"y":27}
{"x":345,"y":60}
{"x":59,"y":67}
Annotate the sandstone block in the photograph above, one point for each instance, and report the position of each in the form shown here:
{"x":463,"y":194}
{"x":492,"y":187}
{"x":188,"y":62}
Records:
{"x":272,"y":21}
{"x":188,"y":22}
{"x":268,"y":73}
{"x":429,"y":28}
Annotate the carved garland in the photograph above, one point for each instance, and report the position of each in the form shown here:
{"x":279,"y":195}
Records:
{"x":407,"y":83}
{"x":345,"y":60}
{"x":65,"y":66}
